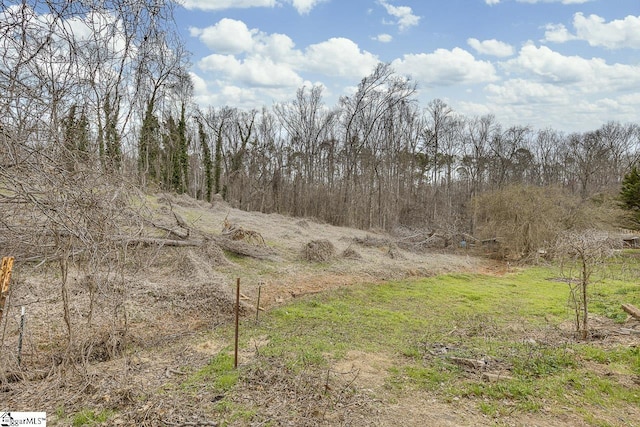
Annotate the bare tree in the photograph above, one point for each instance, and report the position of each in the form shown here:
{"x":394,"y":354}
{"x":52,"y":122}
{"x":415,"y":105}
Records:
{"x":363,"y":123}
{"x":69,"y":74}
{"x":307,"y":122}
{"x":582,"y":255}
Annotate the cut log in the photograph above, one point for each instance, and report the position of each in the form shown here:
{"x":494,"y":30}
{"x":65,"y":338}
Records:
{"x":632,"y":310}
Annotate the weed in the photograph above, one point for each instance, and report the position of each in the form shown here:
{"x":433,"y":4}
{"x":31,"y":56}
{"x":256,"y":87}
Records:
{"x":218,"y":374}
{"x":89,"y":417}
{"x":539,"y":361}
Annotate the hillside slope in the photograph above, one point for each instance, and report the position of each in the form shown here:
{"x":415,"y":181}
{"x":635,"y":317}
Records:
{"x":146,"y":320}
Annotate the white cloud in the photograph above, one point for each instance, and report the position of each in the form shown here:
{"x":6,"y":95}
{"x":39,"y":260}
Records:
{"x":525,"y":92}
{"x":630,"y":99}
{"x":557,"y":33}
{"x":617,"y":34}
{"x":252,"y":71}
{"x":302,"y":6}
{"x":278,"y":47}
{"x":491,"y":2}
{"x":227,"y":36}
{"x":227,"y":4}
{"x":339,"y":56}
{"x":250,"y":58}
{"x":383,"y":38}
{"x":404,"y":14}
{"x":446,"y":67}
{"x":548,"y":89}
{"x":491,"y":47}
{"x":590,"y":74}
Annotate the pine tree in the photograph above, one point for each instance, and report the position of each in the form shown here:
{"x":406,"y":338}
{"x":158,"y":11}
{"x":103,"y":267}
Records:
{"x":630,"y":193}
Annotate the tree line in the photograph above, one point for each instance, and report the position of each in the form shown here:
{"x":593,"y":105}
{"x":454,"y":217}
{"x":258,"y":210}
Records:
{"x":378,"y":159}
{"x":104,"y":86}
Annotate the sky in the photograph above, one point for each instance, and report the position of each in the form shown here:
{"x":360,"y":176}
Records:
{"x":570,"y":65}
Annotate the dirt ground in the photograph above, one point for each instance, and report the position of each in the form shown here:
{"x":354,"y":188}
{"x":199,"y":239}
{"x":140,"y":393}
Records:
{"x":172,"y":297}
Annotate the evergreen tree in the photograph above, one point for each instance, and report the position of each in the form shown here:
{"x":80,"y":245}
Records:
{"x":630,"y":193}
{"x":218,"y":160}
{"x":149,"y":146}
{"x":76,"y":138}
{"x":110,"y":145}
{"x":206,"y":160}
{"x":167,"y":169}
{"x":183,"y":153}
{"x":176,"y":155}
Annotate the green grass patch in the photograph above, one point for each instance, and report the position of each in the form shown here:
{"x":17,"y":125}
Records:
{"x":89,"y":417}
{"x":234,"y":413}
{"x":424,"y":325}
{"x":219,"y":374}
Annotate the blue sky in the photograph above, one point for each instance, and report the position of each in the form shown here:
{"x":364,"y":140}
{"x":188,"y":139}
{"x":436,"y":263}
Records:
{"x":567,"y":64}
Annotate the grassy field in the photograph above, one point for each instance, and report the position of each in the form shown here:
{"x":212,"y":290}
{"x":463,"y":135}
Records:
{"x":501,"y":345}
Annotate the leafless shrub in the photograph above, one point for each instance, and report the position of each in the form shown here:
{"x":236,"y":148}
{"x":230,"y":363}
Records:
{"x":309,"y":397}
{"x":236,"y":232}
{"x":351,"y":253}
{"x":70,"y":97}
{"x":528,"y":219}
{"x":582,"y":254}
{"x":318,"y":251}
{"x":394,"y":253}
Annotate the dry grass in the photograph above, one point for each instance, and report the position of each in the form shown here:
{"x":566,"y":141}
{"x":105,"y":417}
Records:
{"x":318,"y":251}
{"x":171,"y":295}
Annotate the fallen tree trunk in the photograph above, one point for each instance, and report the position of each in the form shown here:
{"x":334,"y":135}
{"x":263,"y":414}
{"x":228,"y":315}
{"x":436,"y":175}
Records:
{"x":632,"y":310}
{"x":234,"y":246}
{"x":151,"y":241}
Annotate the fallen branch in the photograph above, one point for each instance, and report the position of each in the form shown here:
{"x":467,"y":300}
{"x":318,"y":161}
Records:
{"x":191,"y":423}
{"x":628,"y":331}
{"x":632,"y":310}
{"x":469,"y":363}
{"x":492,"y":378}
{"x":171,"y":231}
{"x":303,"y":293}
{"x":151,"y":241}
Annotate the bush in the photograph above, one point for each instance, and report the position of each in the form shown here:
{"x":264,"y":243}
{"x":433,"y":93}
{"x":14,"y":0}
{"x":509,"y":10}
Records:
{"x":527,"y":219}
{"x":318,"y":251}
